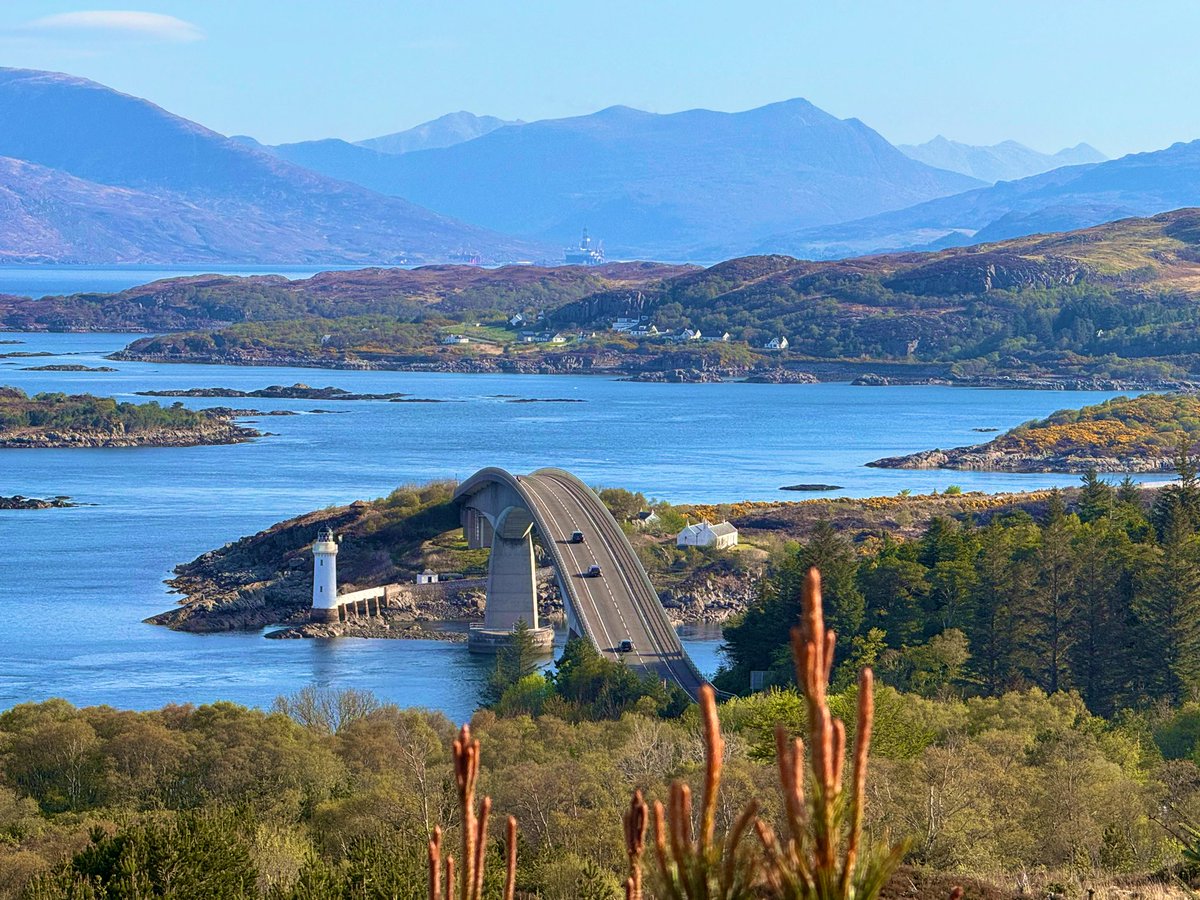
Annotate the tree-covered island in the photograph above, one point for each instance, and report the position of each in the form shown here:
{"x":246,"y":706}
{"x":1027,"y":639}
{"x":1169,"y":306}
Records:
{"x":83,"y":420}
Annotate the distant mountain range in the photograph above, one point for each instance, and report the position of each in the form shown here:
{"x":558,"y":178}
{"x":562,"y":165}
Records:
{"x":445,"y":131}
{"x":1005,"y":161}
{"x":1140,"y":184}
{"x":92,"y":176}
{"x":657,"y":186}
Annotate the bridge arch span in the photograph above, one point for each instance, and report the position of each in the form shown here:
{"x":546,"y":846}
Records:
{"x":500,"y":510}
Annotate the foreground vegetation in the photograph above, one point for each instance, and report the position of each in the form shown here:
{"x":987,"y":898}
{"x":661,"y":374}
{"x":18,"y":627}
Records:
{"x":338,"y":796}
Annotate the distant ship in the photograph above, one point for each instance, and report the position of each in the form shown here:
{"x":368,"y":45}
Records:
{"x":585,"y":254}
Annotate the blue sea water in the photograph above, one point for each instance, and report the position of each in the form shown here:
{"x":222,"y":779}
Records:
{"x":76,"y":583}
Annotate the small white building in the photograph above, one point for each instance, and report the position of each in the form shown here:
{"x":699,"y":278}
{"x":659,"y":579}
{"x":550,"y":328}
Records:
{"x":690,"y":334}
{"x":428,"y":577}
{"x":720,"y":337}
{"x":647,"y":518}
{"x":456,"y":339}
{"x":625,"y":323}
{"x":779,"y":343}
{"x":516,"y":320}
{"x":703,"y":534}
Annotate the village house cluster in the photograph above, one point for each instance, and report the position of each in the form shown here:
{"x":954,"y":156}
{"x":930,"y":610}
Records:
{"x":636,"y":327}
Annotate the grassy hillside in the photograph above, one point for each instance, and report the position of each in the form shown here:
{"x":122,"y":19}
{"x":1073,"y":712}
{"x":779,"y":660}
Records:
{"x":211,"y":301}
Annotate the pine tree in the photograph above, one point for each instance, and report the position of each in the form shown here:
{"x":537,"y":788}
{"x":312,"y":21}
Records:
{"x":845,"y":606}
{"x":1098,"y":632}
{"x":1179,"y":503}
{"x":1004,"y":576}
{"x":1046,"y":612}
{"x":1096,"y":497}
{"x":1128,"y":493}
{"x":1168,"y":612}
{"x":518,"y":658}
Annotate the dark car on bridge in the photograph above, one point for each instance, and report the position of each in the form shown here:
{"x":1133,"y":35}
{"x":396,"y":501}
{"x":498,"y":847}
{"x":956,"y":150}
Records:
{"x":592,"y":572}
{"x":625,"y":646}
{"x":576,"y":537}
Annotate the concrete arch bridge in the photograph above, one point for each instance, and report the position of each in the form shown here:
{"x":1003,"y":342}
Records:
{"x":500,"y":510}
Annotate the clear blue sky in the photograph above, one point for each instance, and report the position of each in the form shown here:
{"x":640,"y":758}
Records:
{"x":1119,"y":75}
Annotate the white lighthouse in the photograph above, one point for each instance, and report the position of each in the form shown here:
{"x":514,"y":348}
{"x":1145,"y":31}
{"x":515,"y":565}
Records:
{"x":324,"y":601}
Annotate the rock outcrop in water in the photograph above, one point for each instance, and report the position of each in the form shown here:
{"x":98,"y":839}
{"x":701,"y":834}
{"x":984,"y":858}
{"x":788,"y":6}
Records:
{"x":19,"y":502}
{"x":298,"y":391}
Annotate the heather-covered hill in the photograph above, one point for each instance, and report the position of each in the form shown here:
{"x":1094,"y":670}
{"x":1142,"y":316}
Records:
{"x":1106,"y":307}
{"x":209,"y":301}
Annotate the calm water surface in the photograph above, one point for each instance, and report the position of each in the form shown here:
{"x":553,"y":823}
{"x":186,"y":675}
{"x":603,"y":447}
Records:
{"x":75,"y":584}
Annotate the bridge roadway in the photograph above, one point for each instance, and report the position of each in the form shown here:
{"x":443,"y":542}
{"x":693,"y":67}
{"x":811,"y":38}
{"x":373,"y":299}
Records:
{"x":621,"y":604}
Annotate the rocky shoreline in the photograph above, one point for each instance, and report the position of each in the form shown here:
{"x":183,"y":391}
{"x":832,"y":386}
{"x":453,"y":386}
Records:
{"x":632,"y":368}
{"x":389,"y":625}
{"x":216,"y":431}
{"x":982,"y":458}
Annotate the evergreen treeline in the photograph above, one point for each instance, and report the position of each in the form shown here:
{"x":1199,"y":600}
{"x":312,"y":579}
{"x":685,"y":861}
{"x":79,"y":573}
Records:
{"x":1102,"y":599}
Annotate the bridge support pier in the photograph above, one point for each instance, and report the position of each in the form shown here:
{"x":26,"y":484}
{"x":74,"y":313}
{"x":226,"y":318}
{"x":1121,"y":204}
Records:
{"x":511,"y":586}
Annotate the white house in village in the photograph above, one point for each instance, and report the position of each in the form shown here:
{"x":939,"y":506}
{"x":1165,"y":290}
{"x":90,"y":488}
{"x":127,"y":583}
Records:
{"x":720,"y":337}
{"x":427,"y":577}
{"x":779,"y":343}
{"x":722,"y":535}
{"x":456,"y":339}
{"x":516,"y":320}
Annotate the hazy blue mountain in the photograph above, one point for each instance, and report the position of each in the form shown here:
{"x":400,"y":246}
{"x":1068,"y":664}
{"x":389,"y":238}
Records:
{"x":97,"y":169}
{"x":1140,"y":184}
{"x":648,"y":185}
{"x":444,"y":131}
{"x":1006,"y":161}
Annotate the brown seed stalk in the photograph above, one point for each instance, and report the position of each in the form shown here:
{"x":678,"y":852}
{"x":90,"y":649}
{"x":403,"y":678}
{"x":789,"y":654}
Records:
{"x":635,"y":843}
{"x":510,"y":871}
{"x":862,"y":749}
{"x":714,"y":746}
{"x":435,"y":865}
